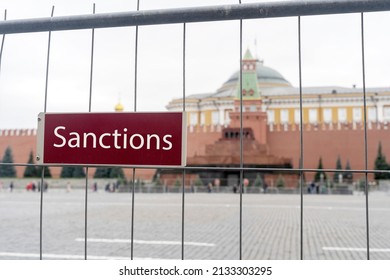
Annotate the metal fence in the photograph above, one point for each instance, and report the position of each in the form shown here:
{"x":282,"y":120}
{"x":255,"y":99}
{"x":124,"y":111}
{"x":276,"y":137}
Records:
{"x":185,"y":16}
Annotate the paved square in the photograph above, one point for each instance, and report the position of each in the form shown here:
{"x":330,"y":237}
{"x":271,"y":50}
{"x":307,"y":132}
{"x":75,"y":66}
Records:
{"x":334,"y":226}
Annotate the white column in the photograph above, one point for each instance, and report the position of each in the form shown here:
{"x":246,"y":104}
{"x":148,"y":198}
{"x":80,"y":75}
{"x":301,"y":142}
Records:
{"x":221,"y":115}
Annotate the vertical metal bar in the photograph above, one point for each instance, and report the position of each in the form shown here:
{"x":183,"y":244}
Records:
{"x":184,"y":66}
{"x":41,"y":214}
{"x":135,"y":110}
{"x":183,"y":213}
{"x":87,"y":169}
{"x":92,"y":57}
{"x":43,"y":167}
{"x":47,"y":64}
{"x":301,"y":174}
{"x":184,"y":172}
{"x":86,"y":215}
{"x":2,"y":41}
{"x":132,"y":218}
{"x":136,"y":63}
{"x":241,"y":144}
{"x":365,"y":136}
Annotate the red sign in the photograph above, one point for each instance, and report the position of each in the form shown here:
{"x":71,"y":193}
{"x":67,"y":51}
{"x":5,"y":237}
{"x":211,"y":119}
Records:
{"x":145,"y":139}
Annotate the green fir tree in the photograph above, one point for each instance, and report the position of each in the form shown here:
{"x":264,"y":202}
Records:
{"x":348,"y":175}
{"x":46,"y":171}
{"x":258,"y":181}
{"x":317,"y":176}
{"x":78,"y":172}
{"x":116,"y":172}
{"x":280,"y":183}
{"x":109,"y":172}
{"x":67,"y":172}
{"x":381,"y":164}
{"x":31,"y":170}
{"x":337,"y":174}
{"x":102,"y":172}
{"x":7,"y":169}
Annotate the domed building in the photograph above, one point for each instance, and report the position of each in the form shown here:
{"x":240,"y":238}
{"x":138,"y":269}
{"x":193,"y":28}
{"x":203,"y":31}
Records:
{"x":214,"y":108}
{"x":332,"y":122}
{"x":266,"y":76}
{"x":325,"y":104}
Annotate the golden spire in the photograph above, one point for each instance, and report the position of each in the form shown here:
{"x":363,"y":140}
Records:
{"x":119,"y":107}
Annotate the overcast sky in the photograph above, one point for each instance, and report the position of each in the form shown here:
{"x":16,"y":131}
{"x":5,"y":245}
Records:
{"x":331,"y":56}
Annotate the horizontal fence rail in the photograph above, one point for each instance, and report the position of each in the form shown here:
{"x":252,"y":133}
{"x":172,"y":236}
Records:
{"x":199,"y":14}
{"x":205,"y":168}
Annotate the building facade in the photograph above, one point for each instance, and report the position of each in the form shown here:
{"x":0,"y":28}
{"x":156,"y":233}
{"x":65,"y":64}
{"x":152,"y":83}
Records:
{"x":281,"y":101}
{"x":332,"y":118}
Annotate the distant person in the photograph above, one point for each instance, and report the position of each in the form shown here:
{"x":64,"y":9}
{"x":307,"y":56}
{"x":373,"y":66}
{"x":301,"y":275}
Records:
{"x":29,"y":186}
{"x":265,"y":186}
{"x":68,"y":187}
{"x":312,"y":187}
{"x":11,"y":186}
{"x":209,"y":187}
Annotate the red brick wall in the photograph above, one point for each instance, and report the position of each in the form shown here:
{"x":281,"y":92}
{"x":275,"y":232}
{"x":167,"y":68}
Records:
{"x":21,"y":144}
{"x":200,"y":136}
{"x":344,"y":141}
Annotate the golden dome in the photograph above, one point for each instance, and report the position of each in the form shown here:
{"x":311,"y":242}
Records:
{"x":119,"y":107}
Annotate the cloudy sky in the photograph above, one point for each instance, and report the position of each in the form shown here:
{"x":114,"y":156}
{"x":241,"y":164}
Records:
{"x":331,"y":56}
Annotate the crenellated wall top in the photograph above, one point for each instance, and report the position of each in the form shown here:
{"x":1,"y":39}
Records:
{"x":17,"y":132}
{"x":295,"y":127}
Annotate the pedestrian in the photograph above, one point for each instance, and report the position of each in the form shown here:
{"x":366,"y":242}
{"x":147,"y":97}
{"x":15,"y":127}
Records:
{"x":11,"y":186}
{"x":29,"y":186}
{"x":209,"y":187}
{"x":312,"y":187}
{"x":68,"y":187}
{"x":265,"y":186}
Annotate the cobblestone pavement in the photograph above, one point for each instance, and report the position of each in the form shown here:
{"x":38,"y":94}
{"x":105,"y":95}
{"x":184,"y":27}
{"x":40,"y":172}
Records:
{"x":334,"y":226}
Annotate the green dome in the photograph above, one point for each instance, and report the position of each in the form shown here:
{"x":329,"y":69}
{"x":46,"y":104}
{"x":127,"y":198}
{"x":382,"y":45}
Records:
{"x":265,"y":75}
